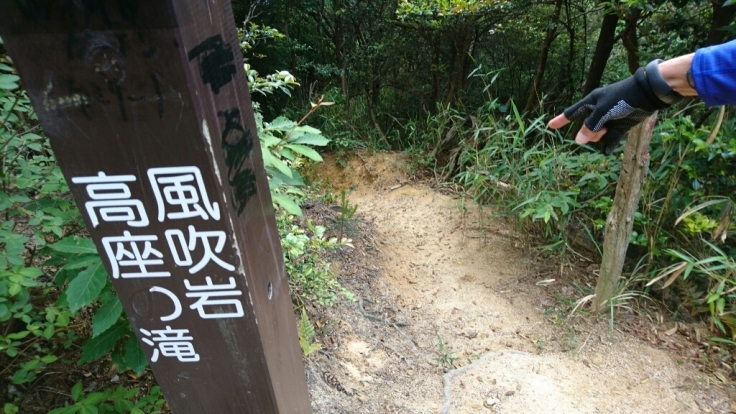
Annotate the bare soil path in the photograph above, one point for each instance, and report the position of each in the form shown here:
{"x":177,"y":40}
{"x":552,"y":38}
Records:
{"x":427,"y":270}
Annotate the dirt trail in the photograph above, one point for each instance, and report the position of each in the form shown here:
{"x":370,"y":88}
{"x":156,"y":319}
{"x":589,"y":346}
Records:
{"x":467,"y":281}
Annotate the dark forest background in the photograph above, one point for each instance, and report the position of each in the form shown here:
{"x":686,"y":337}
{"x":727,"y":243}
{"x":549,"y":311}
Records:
{"x":389,"y":63}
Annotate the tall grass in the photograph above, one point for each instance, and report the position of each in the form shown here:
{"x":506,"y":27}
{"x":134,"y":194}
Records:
{"x":563,"y":192}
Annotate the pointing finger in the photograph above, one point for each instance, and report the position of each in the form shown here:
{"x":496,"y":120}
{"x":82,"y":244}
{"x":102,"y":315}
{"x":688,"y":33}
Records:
{"x":558,"y":122}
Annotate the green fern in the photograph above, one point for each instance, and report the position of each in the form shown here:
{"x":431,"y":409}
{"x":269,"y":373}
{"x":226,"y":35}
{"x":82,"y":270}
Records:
{"x":306,"y":335}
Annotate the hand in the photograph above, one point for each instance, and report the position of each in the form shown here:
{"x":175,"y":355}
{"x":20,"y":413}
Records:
{"x":610,"y":112}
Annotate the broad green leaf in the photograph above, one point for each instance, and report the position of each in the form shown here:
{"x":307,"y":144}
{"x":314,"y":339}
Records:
{"x":102,"y":344}
{"x":82,"y":261}
{"x":10,"y":408}
{"x":14,"y":244}
{"x":75,"y":244}
{"x":309,"y":139}
{"x":106,"y":316}
{"x":295,"y":191}
{"x":269,"y":140}
{"x":89,"y":409}
{"x":86,"y":287}
{"x":288,"y":154}
{"x":62,"y":320}
{"x":280,"y":124}
{"x":287,"y":203}
{"x":19,"y":199}
{"x":9,"y":82}
{"x":5,"y":201}
{"x":306,"y":151}
{"x":22,"y":376}
{"x":32,"y":137}
{"x":295,"y":179}
{"x":94,"y":398}
{"x":129,"y":393}
{"x":18,"y":335}
{"x":77,"y":391}
{"x":49,"y":359}
{"x":30,"y":272}
{"x":134,"y":356}
{"x":122,"y":405}
{"x":308,"y":130}
{"x":48,"y":332}
{"x":267,"y":157}
{"x":281,"y":166}
{"x":36,"y":146}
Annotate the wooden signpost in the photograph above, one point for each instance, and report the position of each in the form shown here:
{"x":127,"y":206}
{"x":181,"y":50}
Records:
{"x":148,"y":111}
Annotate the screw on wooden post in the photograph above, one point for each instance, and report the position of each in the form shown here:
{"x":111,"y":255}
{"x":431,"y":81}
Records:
{"x":620,"y":221}
{"x":147,"y":108}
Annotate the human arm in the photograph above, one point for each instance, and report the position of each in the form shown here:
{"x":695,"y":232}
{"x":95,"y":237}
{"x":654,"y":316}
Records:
{"x":713,"y":77}
{"x":675,"y":73}
{"x":610,"y":112}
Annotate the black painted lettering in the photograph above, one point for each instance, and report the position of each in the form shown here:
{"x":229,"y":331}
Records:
{"x":244,"y":187}
{"x":237,"y":144}
{"x":216,"y":62}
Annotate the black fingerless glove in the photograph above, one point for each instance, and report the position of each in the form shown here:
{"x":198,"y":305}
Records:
{"x":622,"y":105}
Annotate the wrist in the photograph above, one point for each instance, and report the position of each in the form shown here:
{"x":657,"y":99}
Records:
{"x":659,"y":85}
{"x":675,"y":73}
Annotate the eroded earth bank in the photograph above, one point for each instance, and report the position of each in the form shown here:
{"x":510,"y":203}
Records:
{"x":450,"y":316}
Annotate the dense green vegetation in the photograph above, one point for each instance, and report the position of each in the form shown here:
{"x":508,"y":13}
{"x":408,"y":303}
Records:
{"x":466,"y":86}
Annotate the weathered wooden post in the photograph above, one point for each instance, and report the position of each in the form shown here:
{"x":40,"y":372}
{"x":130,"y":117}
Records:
{"x":148,"y":111}
{"x":620,"y":221}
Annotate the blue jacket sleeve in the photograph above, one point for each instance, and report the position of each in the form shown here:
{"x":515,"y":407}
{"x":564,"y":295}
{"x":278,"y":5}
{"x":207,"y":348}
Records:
{"x":714,"y":73}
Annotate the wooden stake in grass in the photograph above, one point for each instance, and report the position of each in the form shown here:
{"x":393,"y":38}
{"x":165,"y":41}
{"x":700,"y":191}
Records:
{"x":620,"y":221}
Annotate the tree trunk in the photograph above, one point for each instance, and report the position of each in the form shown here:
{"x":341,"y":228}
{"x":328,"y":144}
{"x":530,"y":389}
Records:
{"x":460,"y":63}
{"x":606,"y":40}
{"x":722,"y":17}
{"x":344,"y":84}
{"x":620,"y":221}
{"x":435,"y":72}
{"x":338,"y":40}
{"x":629,"y":39}
{"x":292,"y":54}
{"x":567,"y":77}
{"x":376,"y":87}
{"x":452,"y":75}
{"x":542,"y":65}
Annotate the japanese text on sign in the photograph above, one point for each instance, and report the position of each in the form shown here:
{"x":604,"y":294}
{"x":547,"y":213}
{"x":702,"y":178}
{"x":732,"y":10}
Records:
{"x":182,"y":200}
